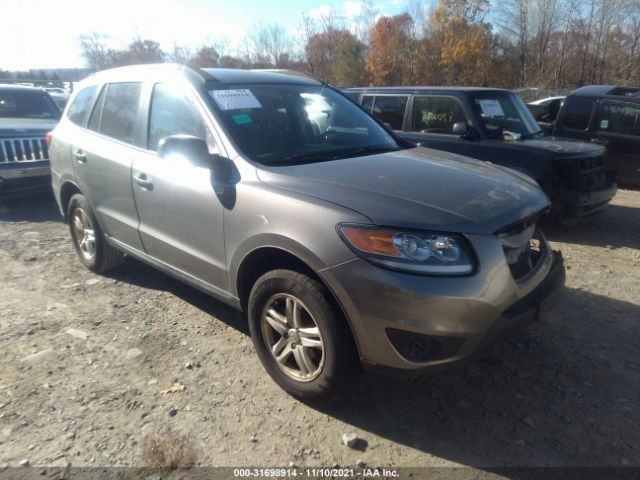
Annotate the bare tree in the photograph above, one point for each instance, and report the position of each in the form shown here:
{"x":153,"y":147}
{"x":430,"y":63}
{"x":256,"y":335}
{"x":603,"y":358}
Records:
{"x":94,"y":50}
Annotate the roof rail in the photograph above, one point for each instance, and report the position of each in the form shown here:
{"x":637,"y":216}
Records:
{"x":285,"y":71}
{"x":625,"y":91}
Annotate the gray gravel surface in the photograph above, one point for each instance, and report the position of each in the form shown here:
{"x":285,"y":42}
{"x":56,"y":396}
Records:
{"x":84,"y":358}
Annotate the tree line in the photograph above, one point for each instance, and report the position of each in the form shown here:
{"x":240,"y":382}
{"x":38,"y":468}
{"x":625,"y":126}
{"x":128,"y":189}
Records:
{"x":555,"y":44}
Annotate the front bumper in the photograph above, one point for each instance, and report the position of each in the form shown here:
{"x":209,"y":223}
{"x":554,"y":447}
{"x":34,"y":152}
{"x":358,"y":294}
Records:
{"x":414,"y":323}
{"x":17,"y":177}
{"x":572,"y":203}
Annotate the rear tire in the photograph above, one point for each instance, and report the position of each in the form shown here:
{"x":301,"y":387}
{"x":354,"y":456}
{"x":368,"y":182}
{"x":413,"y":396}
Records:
{"x":88,"y":239}
{"x":304,"y":344}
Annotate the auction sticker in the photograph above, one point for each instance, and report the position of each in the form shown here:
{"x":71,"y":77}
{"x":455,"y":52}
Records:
{"x":235,"y":99}
{"x":491,"y":108}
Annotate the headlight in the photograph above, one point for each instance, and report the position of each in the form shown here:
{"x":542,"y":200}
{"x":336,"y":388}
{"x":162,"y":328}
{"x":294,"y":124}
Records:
{"x":417,"y":252}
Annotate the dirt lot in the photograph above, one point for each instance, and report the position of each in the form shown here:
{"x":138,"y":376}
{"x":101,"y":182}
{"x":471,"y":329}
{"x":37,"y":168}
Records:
{"x":83,"y":359}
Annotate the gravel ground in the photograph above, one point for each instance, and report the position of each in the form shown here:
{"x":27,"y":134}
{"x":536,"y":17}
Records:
{"x":84,"y":358}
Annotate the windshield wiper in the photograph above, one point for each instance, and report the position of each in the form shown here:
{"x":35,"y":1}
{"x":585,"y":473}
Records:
{"x":370,"y":149}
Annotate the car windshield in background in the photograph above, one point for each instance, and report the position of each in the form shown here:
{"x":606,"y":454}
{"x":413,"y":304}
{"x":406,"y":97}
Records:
{"x":504,"y":114}
{"x":27,"y":104}
{"x":287,"y":124}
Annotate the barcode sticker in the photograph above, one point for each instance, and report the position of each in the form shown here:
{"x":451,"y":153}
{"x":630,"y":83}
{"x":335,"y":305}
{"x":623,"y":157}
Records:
{"x":235,"y":99}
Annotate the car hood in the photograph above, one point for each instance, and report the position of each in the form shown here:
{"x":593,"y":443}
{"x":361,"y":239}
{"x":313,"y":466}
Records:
{"x":20,"y":127}
{"x":418,"y":188}
{"x":558,"y":146}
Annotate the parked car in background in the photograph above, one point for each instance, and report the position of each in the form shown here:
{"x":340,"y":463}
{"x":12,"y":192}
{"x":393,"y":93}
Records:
{"x":279,"y":196}
{"x":545,"y":111}
{"x":609,"y":116}
{"x":495,"y":125}
{"x":26,"y":115}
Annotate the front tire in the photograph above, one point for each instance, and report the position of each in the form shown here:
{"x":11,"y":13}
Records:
{"x":88,"y":239}
{"x":302,"y":342}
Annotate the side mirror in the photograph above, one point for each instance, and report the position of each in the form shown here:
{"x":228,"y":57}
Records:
{"x":388,"y":126}
{"x":192,"y":148}
{"x":461,"y":129}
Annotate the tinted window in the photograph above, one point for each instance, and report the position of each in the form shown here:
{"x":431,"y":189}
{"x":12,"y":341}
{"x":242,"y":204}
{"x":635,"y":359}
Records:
{"x":390,"y":110}
{"x":504,"y":112}
{"x":436,"y":114}
{"x":172,"y":114}
{"x":120,"y":111}
{"x":27,"y":104}
{"x":94,"y":120}
{"x":367,"y":102}
{"x":81,"y":104}
{"x":578,"y":114}
{"x":623,"y":119}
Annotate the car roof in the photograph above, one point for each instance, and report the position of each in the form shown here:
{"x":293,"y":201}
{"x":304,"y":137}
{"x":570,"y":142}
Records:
{"x":8,"y":87}
{"x":165,"y":71}
{"x":408,"y":90}
{"x":608,"y":91}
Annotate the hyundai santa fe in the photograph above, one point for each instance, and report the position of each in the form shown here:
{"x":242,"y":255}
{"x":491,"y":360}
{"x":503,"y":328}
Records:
{"x":276,"y":194}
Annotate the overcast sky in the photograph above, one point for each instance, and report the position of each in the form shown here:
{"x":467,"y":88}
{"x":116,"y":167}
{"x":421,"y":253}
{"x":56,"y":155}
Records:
{"x":44,"y":33}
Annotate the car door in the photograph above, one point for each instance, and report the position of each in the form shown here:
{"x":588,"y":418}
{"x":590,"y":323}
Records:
{"x":575,"y":118}
{"x":618,"y":128}
{"x":181,"y":218}
{"x":102,"y":159}
{"x":431,"y":124}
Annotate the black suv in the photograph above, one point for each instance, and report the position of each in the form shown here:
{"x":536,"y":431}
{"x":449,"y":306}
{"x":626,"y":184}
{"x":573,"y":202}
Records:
{"x":495,"y":125}
{"x":26,"y":115}
{"x":610,"y":116}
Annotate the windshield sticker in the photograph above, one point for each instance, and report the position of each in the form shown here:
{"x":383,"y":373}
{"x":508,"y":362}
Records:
{"x":604,"y":124}
{"x":242,"y":119}
{"x":235,"y":99}
{"x":491,"y":108}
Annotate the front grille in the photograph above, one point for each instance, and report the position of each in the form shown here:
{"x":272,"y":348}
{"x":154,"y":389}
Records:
{"x":523,"y":250}
{"x":31,"y":149}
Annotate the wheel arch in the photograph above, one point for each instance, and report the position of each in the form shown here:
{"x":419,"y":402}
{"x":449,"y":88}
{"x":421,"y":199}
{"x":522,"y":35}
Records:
{"x":263,"y":259}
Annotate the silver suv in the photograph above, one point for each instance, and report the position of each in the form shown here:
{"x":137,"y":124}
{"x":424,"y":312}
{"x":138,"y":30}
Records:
{"x":276,"y":194}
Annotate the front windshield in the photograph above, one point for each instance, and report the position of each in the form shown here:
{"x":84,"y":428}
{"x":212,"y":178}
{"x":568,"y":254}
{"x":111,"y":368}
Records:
{"x":505,"y":113}
{"x":280,"y":124}
{"x":27,"y":104}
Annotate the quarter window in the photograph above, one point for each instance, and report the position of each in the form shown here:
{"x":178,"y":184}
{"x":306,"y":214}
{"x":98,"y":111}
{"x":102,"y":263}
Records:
{"x":390,"y":109}
{"x":436,"y":114}
{"x":620,"y":118}
{"x":81,"y":104}
{"x":578,"y":114}
{"x":172,"y":114}
{"x":120,"y":111}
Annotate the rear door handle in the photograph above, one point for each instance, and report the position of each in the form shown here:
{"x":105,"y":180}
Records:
{"x":144,"y":182}
{"x":79,"y":155}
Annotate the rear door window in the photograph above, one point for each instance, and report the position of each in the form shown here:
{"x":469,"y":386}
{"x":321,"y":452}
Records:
{"x":367,"y":102}
{"x":436,"y":114}
{"x":390,"y":109}
{"x":578,"y":114}
{"x":120,"y":111}
{"x":619,"y":118}
{"x":81,"y":105}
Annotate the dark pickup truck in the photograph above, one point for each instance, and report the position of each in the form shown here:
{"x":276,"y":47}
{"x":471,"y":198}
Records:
{"x":610,"y":116}
{"x":26,"y":115}
{"x":495,"y":125}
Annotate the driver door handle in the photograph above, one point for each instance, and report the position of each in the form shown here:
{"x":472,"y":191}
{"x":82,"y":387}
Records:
{"x":144,"y":182}
{"x":600,"y":141}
